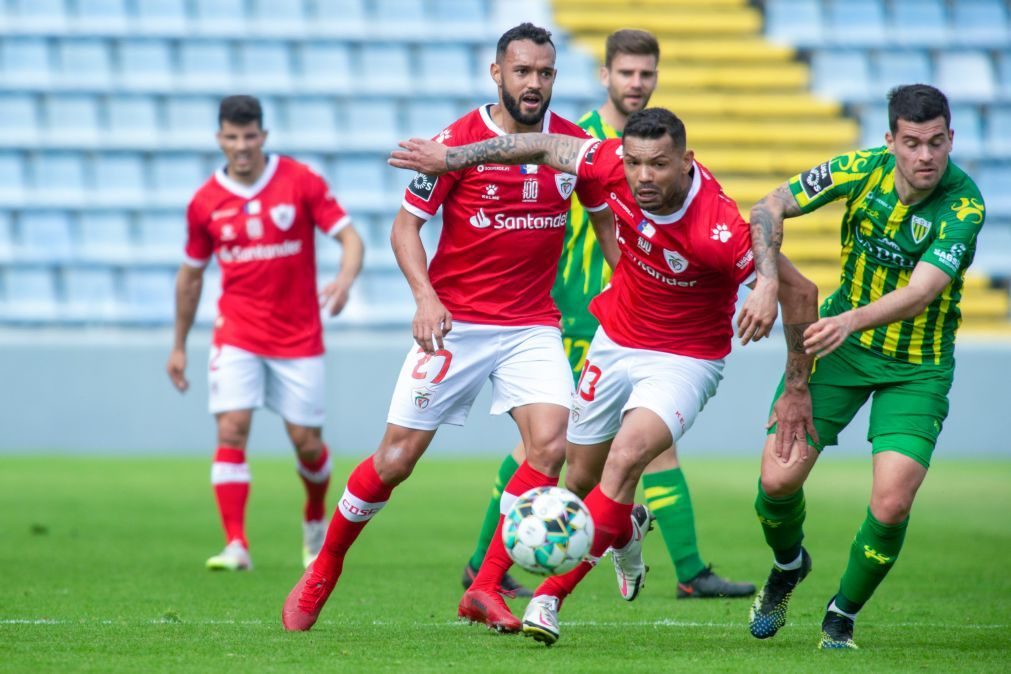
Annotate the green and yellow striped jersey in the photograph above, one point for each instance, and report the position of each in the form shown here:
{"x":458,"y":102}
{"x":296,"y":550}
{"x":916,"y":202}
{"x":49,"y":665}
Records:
{"x":883,"y":239}
{"x":582,"y":270}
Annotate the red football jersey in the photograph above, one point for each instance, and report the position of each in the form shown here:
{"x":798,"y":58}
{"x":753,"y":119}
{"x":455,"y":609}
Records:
{"x":675,"y":286}
{"x":502,"y":229}
{"x":264,"y":238}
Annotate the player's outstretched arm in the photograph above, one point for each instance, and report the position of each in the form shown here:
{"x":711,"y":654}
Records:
{"x":558,"y":151}
{"x":189,"y":283}
{"x":334,"y":295}
{"x":432,"y":321}
{"x":925,"y":284}
{"x":758,"y":314}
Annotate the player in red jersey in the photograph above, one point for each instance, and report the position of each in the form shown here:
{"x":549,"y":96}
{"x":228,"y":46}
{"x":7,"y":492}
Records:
{"x":257,"y":214}
{"x":484,"y":312}
{"x":665,"y":320}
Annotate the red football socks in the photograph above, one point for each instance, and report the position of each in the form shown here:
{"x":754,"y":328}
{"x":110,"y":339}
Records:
{"x":230,"y":478}
{"x":315,"y":476}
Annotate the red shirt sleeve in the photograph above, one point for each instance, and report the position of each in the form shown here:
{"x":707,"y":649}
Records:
{"x":425,"y":194}
{"x":199,"y":243}
{"x":329,"y":216}
{"x":591,"y":187}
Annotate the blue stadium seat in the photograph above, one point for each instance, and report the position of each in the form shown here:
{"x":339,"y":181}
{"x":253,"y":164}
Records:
{"x":12,"y":179}
{"x":58,"y":179}
{"x":326,"y":67}
{"x":145,"y":65}
{"x":966,"y":76}
{"x":72,"y":120}
{"x":385,"y":68}
{"x":446,"y":69}
{"x":191,"y":120}
{"x":311,"y":122}
{"x":84,"y":63}
{"x":892,"y":68}
{"x":119,"y":180}
{"x":328,"y":251}
{"x":345,"y":18}
{"x":998,"y":132}
{"x":279,"y":18}
{"x":426,"y":118}
{"x":839,"y":74}
{"x":206,"y":65}
{"x":993,"y":181}
{"x":265,"y":66}
{"x":873,"y":125}
{"x":31,"y":294}
{"x":855,"y":22}
{"x":162,"y":17}
{"x":149,"y":296}
{"x":220,"y":17}
{"x":90,"y":295}
{"x":461,"y":17}
{"x":26,"y":62}
{"x":101,"y":16}
{"x":400,"y":18}
{"x":577,"y":74}
{"x":6,"y":237}
{"x":176,"y":178}
{"x":132,"y":122}
{"x":105,"y":237}
{"x":371,"y":124}
{"x":387,"y":297}
{"x":1004,"y":74}
{"x":162,"y":236}
{"x":358,"y":180}
{"x":43,"y":16}
{"x":968,"y":127}
{"x":794,"y":22}
{"x":18,"y":119}
{"x":210,"y":293}
{"x":919,"y":23}
{"x":46,"y":236}
{"x":980,"y":23}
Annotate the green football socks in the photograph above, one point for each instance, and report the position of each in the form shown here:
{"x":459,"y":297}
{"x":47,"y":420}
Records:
{"x":505,"y":472}
{"x":668,"y":499}
{"x":782,"y":522}
{"x":872,"y":555}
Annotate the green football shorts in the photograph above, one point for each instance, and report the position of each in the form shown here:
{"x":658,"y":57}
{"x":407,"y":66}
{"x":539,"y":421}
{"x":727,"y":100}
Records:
{"x":908,"y":407}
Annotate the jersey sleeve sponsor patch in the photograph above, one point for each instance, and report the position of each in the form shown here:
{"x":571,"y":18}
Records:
{"x":816,"y":180}
{"x":423,"y":186}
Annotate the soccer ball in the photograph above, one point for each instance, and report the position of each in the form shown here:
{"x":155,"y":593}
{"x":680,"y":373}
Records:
{"x":547,"y":531}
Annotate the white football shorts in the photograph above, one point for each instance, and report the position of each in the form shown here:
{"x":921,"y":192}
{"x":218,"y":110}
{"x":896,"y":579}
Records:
{"x":292,"y":387}
{"x":616,"y":379}
{"x":525,"y":364}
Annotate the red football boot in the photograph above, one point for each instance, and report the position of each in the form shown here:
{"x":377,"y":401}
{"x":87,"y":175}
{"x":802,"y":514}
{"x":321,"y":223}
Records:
{"x":488,"y":608}
{"x":306,"y":600}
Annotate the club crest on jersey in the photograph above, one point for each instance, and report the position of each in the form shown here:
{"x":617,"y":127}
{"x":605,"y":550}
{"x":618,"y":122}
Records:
{"x":283,"y":216}
{"x":565,"y":182}
{"x":675,"y":260}
{"x":921,"y":228}
{"x":422,"y":397}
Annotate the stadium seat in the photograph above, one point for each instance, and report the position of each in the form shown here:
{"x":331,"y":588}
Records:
{"x":388,"y":297}
{"x":149,"y":296}
{"x":385,"y":68}
{"x":997,"y":141}
{"x":6,"y":237}
{"x":132,"y":122}
{"x":966,"y":76}
{"x":270,"y":17}
{"x":192,"y":121}
{"x":84,"y":64}
{"x":359,"y":184}
{"x":101,"y":16}
{"x":46,"y":236}
{"x":1004,"y":74}
{"x":176,"y":178}
{"x":968,"y":126}
{"x":980,"y":23}
{"x":577,"y":74}
{"x":71,"y":120}
{"x":919,"y":23}
{"x":371,"y":124}
{"x":105,"y":237}
{"x":90,"y":295}
{"x":993,"y":181}
{"x":40,"y":16}
{"x":311,"y":122}
{"x":461,"y":17}
{"x":145,"y":65}
{"x":794,"y":22}
{"x":210,"y":293}
{"x":18,"y":120}
{"x":426,"y":118}
{"x":161,"y":17}
{"x":843,"y":75}
{"x":328,"y":251}
{"x":31,"y":295}
{"x":265,"y":66}
{"x":220,"y":17}
{"x":892,"y":68}
{"x":445,"y":69}
{"x":206,"y":65}
{"x":26,"y":62}
{"x":58,"y":179}
{"x":344,"y":18}
{"x":855,"y":22}
{"x":119,"y":180}
{"x":400,"y":18}
{"x":326,"y":67}
{"x":162,"y":236}
{"x":12,"y":179}
{"x":873,"y":125}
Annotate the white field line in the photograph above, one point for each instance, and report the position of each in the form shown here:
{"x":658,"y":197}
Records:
{"x":55,"y":622}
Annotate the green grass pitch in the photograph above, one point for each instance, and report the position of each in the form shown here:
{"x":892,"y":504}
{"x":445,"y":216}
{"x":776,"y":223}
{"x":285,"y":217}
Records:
{"x":101,"y":569}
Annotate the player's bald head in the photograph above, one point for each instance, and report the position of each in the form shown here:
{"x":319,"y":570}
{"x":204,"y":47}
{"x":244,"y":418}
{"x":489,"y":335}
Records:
{"x":654,"y":123}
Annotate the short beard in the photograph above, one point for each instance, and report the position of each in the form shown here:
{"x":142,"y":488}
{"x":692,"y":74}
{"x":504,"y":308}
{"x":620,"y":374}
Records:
{"x":617,"y":102}
{"x":512,"y":106}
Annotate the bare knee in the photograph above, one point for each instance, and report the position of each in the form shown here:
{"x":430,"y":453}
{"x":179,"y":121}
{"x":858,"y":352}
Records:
{"x":781,"y":484}
{"x":233,"y":430}
{"x":891,"y":509}
{"x":547,"y":454}
{"x":580,"y":480}
{"x":308,"y":441}
{"x":399,"y":453}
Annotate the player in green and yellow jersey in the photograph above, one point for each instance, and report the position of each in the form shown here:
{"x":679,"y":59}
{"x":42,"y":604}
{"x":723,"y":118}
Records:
{"x":888,"y":333}
{"x":629,"y":74}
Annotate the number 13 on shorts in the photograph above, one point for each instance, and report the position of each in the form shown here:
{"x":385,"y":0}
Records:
{"x":587,"y":387}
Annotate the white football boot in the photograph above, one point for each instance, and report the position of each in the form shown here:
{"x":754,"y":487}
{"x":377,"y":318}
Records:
{"x":313,"y":534}
{"x":540,"y":620}
{"x":628,"y":564}
{"x":234,"y":557}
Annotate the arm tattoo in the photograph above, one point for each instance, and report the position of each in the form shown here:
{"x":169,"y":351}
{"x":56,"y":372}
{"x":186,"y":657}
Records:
{"x":794,"y":333}
{"x":557,"y":151}
{"x":767,"y":228}
{"x":798,"y":363}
